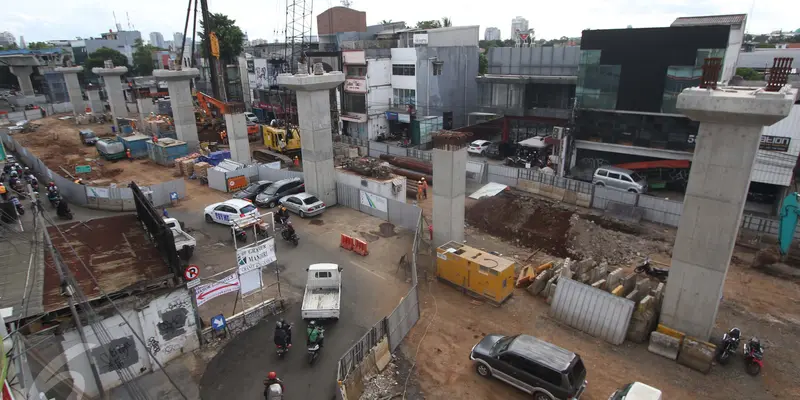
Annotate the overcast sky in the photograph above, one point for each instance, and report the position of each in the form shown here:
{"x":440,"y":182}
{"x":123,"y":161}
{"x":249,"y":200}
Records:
{"x":66,"y":19}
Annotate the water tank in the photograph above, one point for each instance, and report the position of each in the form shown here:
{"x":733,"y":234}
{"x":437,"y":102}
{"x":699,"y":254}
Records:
{"x":106,"y":146}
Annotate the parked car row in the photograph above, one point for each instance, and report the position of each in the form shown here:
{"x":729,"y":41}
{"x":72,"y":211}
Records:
{"x":542,"y":369}
{"x":289,"y":193}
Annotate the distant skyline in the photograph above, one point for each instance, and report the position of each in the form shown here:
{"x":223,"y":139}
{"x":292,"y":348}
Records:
{"x":50,"y":20}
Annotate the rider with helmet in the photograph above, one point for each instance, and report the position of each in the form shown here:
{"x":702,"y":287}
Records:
{"x":314,"y":334}
{"x":283,"y":215}
{"x":272,"y":379}
{"x":283,"y":333}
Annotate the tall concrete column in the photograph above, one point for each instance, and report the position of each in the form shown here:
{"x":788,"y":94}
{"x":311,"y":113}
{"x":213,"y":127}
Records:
{"x":236,"y":128}
{"x":180,"y":98}
{"x":23,"y":74}
{"x":450,"y":185}
{"x":73,"y":88}
{"x":731,"y":122}
{"x":145,"y":106}
{"x":95,"y":102}
{"x":314,"y":113}
{"x":113,"y":85}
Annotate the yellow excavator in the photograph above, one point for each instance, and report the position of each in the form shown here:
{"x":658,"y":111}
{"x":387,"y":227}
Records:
{"x":281,"y":140}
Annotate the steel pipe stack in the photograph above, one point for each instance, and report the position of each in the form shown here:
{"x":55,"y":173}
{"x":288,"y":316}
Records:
{"x":409,"y":163}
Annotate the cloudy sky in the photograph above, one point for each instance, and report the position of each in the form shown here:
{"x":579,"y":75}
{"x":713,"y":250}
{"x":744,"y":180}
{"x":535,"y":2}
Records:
{"x":66,"y":19}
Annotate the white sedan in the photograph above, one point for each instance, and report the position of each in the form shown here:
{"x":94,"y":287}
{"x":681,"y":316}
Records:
{"x":478,"y":147}
{"x":230,"y":210}
{"x":304,"y":204}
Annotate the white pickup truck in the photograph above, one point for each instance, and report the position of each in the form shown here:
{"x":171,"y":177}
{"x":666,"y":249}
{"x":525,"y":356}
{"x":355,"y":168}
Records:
{"x":323,"y":292}
{"x":184,"y":242}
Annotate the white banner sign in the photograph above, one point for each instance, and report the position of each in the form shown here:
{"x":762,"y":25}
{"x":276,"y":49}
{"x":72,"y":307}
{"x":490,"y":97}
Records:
{"x":373,"y":201}
{"x":209,"y":291}
{"x":420,"y":38}
{"x":256,"y":256}
{"x":250,"y":281}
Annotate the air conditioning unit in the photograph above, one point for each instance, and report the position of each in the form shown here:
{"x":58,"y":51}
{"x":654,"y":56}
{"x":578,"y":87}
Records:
{"x":558,"y":132}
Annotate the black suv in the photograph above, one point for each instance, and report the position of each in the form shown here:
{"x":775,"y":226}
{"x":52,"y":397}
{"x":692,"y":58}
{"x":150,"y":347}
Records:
{"x":283,"y":187}
{"x":251,"y":191}
{"x":542,"y":369}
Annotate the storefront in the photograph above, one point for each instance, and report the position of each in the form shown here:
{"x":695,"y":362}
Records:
{"x":355,"y":125}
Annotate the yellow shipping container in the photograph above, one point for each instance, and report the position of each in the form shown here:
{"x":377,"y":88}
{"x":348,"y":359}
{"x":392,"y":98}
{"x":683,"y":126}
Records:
{"x":481,"y":273}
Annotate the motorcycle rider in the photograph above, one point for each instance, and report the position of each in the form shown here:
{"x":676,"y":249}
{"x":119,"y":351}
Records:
{"x":283,"y":215}
{"x":3,"y":191}
{"x":272,"y":378}
{"x":63,"y":209}
{"x":314,"y":334}
{"x":283,"y":336}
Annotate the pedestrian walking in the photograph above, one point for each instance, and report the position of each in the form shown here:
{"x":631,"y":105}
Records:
{"x":419,"y":190}
{"x":128,"y":154}
{"x":296,"y":161}
{"x":424,"y":188}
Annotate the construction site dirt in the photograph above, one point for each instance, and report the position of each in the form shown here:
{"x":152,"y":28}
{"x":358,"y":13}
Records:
{"x":57,"y":144}
{"x":759,"y":304}
{"x":115,"y":249}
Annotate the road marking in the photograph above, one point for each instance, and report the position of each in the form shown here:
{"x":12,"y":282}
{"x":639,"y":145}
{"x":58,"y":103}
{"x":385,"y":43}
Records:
{"x":368,"y":270}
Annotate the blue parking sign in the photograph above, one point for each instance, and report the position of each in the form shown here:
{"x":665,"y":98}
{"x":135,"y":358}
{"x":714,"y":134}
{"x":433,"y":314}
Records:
{"x":218,"y":322}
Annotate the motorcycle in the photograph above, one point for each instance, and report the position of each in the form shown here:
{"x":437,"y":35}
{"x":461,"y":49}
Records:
{"x":753,"y":357}
{"x":274,"y":392}
{"x":313,"y":349}
{"x":729,"y":345}
{"x":239,"y":234}
{"x":54,"y":198}
{"x":659,"y":273}
{"x":283,"y":349}
{"x":290,"y":235}
{"x":20,"y":208}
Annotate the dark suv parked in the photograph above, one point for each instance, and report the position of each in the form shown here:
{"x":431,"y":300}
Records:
{"x":284,"y":187}
{"x":542,"y":369}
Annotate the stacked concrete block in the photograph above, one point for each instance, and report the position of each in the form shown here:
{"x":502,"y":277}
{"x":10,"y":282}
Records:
{"x":629,"y":283}
{"x":658,"y":295}
{"x":584,"y":266}
{"x":540,"y":282}
{"x":643,"y":286}
{"x":599,"y":272}
{"x":565,"y":271}
{"x":696,"y":354}
{"x":664,"y":345}
{"x":601,"y":284}
{"x":614,"y":278}
{"x":633,"y":295}
{"x":550,"y":289}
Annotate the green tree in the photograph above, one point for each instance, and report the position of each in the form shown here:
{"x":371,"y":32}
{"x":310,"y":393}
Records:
{"x":431,"y":24}
{"x":446,"y":22}
{"x":12,"y":46}
{"x":385,"y":22}
{"x":749,"y":74}
{"x":143,"y":58}
{"x":98,"y":58}
{"x":483,"y":64}
{"x":39,"y":45}
{"x":229,"y":35}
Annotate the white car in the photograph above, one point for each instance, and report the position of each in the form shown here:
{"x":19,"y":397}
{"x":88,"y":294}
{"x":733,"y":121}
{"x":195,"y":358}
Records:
{"x":250,"y":117}
{"x":303,"y":204}
{"x":228,"y":211}
{"x":478,"y":147}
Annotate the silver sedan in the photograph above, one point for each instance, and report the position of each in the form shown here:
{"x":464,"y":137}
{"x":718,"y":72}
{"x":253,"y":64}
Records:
{"x":304,"y":204}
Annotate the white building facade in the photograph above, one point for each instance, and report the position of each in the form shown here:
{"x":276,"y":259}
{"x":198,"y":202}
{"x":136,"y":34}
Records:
{"x":157,"y":39}
{"x":520,"y":24}
{"x":367,"y":94}
{"x":492,"y":33}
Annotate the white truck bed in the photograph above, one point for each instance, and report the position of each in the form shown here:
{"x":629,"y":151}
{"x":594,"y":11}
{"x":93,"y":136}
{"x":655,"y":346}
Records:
{"x":321,"y":303}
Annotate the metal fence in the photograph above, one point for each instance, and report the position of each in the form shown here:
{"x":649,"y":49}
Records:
{"x":395,"y":327}
{"x":398,"y":213}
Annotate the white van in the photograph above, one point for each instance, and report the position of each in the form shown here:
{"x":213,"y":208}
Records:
{"x":636,"y":391}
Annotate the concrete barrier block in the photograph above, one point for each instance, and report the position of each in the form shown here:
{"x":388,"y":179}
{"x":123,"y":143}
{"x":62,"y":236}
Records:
{"x":658,"y":295}
{"x":551,"y":292}
{"x":664,"y":345}
{"x":696,"y":354}
{"x":645,"y":304}
{"x":91,"y":202}
{"x":382,"y":354}
{"x":565,"y":272}
{"x":633,"y":295}
{"x":614,"y":278}
{"x":550,"y":287}
{"x":670,"y":332}
{"x":583,"y":266}
{"x":641,"y":324}
{"x":629,"y":282}
{"x":128,"y":205}
{"x":643,"y":285}
{"x":583,"y":200}
{"x":601,"y":284}
{"x":558,"y":193}
{"x":540,"y":282}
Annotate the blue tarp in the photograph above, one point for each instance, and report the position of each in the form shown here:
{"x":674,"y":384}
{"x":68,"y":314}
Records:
{"x":216,"y":157}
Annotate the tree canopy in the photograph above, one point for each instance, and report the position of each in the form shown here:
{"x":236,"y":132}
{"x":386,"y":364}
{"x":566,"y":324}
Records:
{"x":143,"y":58}
{"x":749,"y":74}
{"x":98,"y":58}
{"x":435,"y":23}
{"x":230,"y":37}
{"x":12,"y":46}
{"x":39,"y":45}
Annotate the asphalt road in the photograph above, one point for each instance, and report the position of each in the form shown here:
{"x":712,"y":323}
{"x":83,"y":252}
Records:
{"x":239,"y":369}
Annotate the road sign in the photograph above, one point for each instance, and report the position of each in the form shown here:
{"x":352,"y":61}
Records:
{"x":83,"y":169}
{"x":191,"y":272}
{"x":218,"y":322}
{"x":173,"y":196}
{"x":193,"y":283}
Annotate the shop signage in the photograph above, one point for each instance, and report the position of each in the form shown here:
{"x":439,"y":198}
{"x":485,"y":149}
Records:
{"x":774,"y":143}
{"x":355,"y":85}
{"x":391,"y":116}
{"x":256,"y":256}
{"x":420,"y":38}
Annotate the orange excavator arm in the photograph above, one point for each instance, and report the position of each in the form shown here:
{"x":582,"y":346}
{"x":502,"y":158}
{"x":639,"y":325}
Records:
{"x":204,"y":99}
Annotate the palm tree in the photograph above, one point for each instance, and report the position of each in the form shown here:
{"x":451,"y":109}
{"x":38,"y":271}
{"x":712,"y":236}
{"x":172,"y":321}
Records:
{"x":446,"y":21}
{"x":385,"y":22}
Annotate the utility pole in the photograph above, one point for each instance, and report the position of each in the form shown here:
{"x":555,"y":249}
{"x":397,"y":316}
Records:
{"x":212,"y":66}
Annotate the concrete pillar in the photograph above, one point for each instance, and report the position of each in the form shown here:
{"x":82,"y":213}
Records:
{"x":95,"y":103}
{"x":73,"y":88}
{"x":314,"y":113}
{"x":731,"y":122}
{"x":113,"y":85}
{"x":247,"y":91}
{"x":236,"y":127}
{"x":145,"y":106}
{"x":23,"y":74}
{"x":180,"y":98}
{"x":450,"y":182}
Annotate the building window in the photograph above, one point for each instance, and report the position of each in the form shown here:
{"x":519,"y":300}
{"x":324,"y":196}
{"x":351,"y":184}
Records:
{"x":437,"y":68}
{"x":598,"y":86}
{"x":356,"y":71}
{"x":355,"y":103}
{"x":404,"y":97}
{"x":403,"y":69}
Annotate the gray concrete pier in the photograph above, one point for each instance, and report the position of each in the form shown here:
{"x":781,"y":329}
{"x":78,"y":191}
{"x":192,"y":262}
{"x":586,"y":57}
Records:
{"x":23,"y":74}
{"x":111,"y":81}
{"x":449,"y":189}
{"x":731,"y":121}
{"x":180,"y":98}
{"x":314,"y":109}
{"x":238,"y":142}
{"x":73,"y":88}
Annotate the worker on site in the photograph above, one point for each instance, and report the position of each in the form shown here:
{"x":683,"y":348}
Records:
{"x":424,"y":188}
{"x":223,"y":136}
{"x":419,"y":190}
{"x":3,"y":191}
{"x":128,"y":154}
{"x":296,"y":161}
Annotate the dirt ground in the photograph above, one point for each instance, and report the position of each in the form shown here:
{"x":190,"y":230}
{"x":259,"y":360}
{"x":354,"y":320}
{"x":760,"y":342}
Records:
{"x":762,"y":305}
{"x":58,"y":145}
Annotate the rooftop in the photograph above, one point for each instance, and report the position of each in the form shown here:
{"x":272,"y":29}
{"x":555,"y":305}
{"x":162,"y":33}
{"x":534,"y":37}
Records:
{"x":480,"y":257}
{"x":730,"y":19}
{"x":115,"y":249}
{"x":542,"y":352}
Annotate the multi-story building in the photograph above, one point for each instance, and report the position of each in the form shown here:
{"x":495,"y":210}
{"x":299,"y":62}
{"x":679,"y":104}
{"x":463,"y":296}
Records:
{"x":518,"y":24}
{"x":7,"y":38}
{"x":122,"y":41}
{"x":177,"y":39}
{"x":491,"y":33}
{"x":157,"y":39}
{"x":367,"y":92}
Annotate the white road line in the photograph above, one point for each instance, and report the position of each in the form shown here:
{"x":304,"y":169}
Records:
{"x":368,"y":270}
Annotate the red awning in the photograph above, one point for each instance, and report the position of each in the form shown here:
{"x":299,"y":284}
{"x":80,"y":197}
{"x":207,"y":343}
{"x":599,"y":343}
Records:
{"x":655,"y":164}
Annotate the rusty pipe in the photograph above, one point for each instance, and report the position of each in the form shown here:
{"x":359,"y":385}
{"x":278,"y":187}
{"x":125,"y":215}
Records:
{"x":412,"y":175}
{"x":409,"y":163}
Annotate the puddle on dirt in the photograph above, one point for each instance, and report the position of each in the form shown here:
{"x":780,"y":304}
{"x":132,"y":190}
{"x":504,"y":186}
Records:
{"x":369,"y":237}
{"x":317,"y":222}
{"x":386,"y":229}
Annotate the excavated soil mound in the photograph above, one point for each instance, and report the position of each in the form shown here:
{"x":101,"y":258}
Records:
{"x":523,"y":220}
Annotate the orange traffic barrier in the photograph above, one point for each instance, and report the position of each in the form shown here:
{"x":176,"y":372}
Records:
{"x":360,"y":247}
{"x":347,"y":242}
